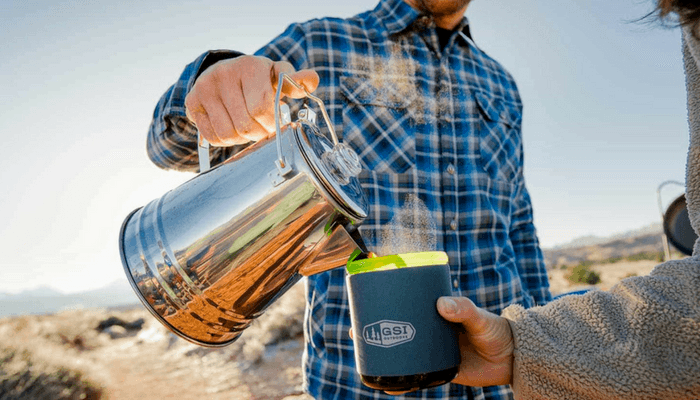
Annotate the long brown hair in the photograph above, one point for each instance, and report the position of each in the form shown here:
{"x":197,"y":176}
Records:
{"x":687,"y":12}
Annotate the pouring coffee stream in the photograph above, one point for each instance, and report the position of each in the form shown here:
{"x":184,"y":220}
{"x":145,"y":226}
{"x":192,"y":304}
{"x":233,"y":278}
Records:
{"x":211,"y":255}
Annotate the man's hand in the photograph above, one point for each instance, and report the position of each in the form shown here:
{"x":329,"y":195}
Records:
{"x":486,"y":343}
{"x":232,"y":102}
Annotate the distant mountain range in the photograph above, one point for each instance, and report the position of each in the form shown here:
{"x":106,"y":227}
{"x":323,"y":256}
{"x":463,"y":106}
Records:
{"x":46,"y":300}
{"x":647,"y":241}
{"x":591,"y":240}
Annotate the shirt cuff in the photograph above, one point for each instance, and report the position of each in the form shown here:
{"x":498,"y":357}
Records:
{"x":208,"y":59}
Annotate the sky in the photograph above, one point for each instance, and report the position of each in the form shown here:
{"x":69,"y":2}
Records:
{"x":604,"y":121}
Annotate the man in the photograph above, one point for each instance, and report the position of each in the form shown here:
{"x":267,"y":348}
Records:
{"x":431,"y":116}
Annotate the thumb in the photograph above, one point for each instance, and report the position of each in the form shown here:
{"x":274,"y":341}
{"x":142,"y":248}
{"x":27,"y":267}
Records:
{"x":487,"y":352}
{"x":307,"y":78}
{"x":464,"y":311}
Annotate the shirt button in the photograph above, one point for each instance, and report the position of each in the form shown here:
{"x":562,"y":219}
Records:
{"x":453,"y":225}
{"x":455,"y":283}
{"x":451,"y":169}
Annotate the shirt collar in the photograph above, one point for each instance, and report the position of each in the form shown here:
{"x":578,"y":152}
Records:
{"x":397,"y":15}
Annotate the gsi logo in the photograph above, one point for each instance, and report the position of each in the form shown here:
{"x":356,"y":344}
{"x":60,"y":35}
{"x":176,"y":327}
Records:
{"x":388,"y":333}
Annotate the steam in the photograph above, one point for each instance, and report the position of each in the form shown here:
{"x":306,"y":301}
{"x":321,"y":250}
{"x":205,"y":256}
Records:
{"x":411,"y":230}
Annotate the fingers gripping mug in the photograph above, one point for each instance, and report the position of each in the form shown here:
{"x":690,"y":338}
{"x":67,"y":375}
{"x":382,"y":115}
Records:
{"x":401,"y":342}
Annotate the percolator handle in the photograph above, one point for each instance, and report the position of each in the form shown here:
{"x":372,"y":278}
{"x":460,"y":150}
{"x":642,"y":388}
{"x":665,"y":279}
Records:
{"x":203,"y":144}
{"x":203,"y":153}
{"x":281,"y":162}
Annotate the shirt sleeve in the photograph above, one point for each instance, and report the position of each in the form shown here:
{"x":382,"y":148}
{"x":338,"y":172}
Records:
{"x":172,"y":138}
{"x":640,"y":340}
{"x":529,"y":257}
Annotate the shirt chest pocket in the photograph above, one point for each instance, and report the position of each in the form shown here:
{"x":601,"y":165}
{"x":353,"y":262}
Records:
{"x":377,"y":122}
{"x":500,"y":141}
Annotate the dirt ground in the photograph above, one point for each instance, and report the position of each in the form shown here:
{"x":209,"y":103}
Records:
{"x":142,"y":370}
{"x":154,"y":363}
{"x":610,"y":274}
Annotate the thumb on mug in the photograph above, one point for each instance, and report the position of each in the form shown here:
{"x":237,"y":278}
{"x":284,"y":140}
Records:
{"x":464,"y":311}
{"x":456,"y":309}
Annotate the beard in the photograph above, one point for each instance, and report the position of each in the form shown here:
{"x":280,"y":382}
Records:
{"x":441,"y":7}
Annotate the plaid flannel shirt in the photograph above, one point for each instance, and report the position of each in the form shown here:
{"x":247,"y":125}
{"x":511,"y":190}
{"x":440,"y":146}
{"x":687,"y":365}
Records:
{"x":443,"y":125}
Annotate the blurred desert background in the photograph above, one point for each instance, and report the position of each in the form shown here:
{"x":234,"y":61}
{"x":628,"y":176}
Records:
{"x":109,"y":347}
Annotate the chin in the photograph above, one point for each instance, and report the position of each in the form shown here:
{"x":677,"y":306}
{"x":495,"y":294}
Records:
{"x":443,"y":7}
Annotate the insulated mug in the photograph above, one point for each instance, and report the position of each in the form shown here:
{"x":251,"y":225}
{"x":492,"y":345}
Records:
{"x":401,"y":342}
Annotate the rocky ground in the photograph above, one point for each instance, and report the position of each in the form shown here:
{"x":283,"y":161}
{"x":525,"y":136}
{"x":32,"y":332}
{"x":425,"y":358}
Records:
{"x":151,"y":362}
{"x":68,"y":355}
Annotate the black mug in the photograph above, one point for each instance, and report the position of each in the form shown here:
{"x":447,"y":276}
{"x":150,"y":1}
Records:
{"x":401,"y":342}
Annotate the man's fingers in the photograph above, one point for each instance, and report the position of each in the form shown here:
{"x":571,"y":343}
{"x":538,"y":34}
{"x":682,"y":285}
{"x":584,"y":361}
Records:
{"x":194,"y":110}
{"x":259,"y":104}
{"x":223,"y":133}
{"x":237,"y":98}
{"x":198,"y":115}
{"x":306,"y":78}
{"x":205,"y":128}
{"x":232,"y":102}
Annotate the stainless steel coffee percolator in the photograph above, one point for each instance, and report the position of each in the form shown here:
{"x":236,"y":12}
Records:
{"x":211,"y":255}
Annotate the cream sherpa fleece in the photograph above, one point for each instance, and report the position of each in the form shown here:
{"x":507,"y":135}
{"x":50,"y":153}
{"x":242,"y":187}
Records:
{"x":640,"y":340}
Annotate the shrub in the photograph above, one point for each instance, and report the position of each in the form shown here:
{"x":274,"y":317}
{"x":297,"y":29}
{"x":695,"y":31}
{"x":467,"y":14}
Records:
{"x":582,"y":273}
{"x":23,"y":379}
{"x":611,"y":260}
{"x":653,"y":256}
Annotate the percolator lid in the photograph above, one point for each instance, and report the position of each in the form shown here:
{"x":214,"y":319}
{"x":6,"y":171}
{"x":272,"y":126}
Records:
{"x":337,"y":169}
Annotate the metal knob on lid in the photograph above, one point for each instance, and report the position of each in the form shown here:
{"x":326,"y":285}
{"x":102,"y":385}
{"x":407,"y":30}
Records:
{"x":343,"y":163}
{"x":335,"y":164}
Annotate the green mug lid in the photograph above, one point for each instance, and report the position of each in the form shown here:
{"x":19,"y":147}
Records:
{"x":394,"y":261}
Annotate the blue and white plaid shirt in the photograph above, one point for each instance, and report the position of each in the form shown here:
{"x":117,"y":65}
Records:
{"x":440,"y":124}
